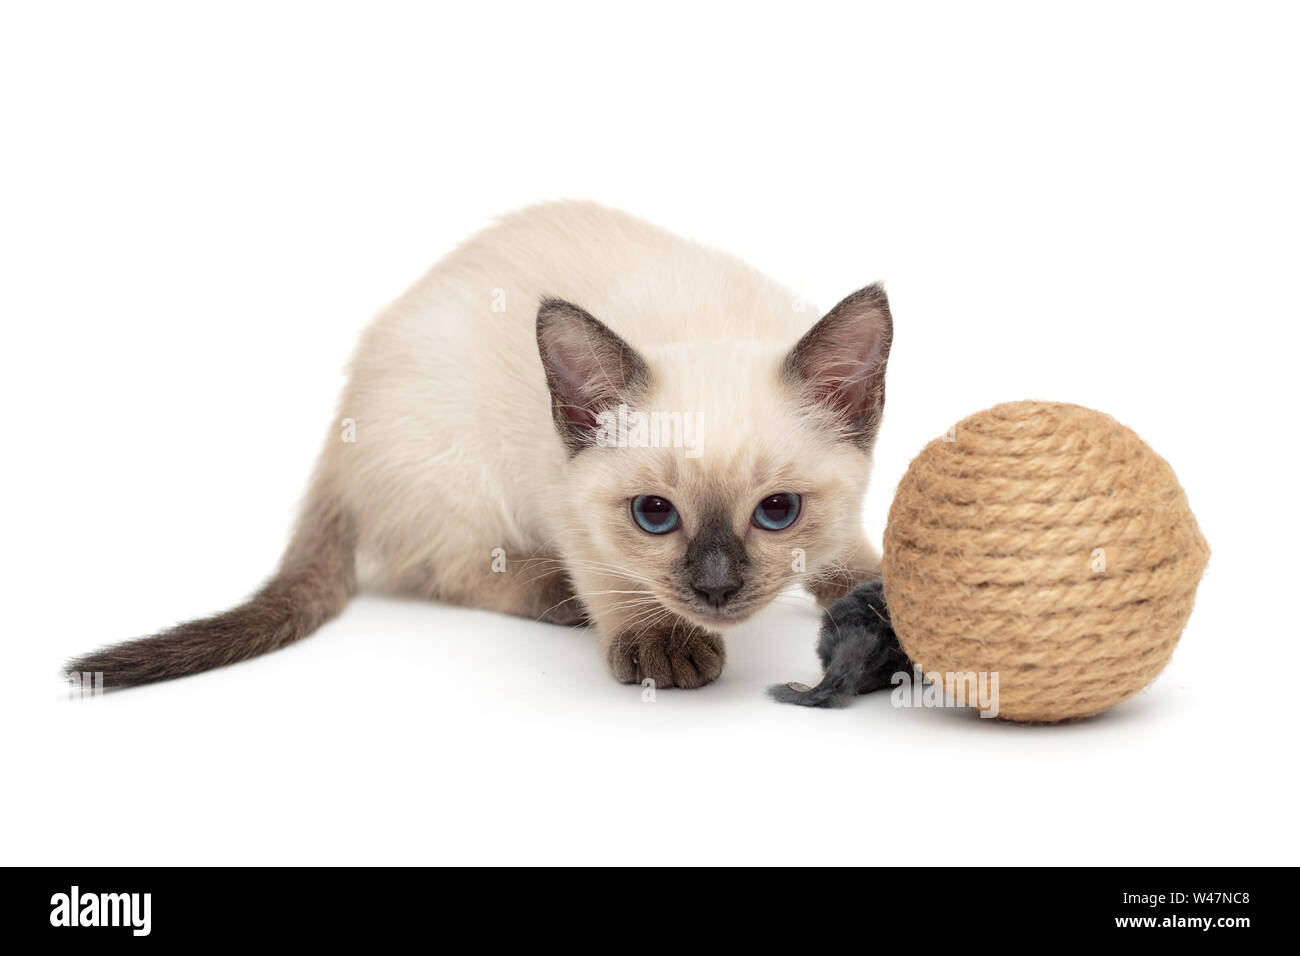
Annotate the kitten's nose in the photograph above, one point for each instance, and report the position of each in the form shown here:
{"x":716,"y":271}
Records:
{"x":717,"y":594}
{"x":715,"y":560}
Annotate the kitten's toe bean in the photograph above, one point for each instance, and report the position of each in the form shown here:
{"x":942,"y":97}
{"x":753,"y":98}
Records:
{"x":623,"y":662}
{"x":701,"y":661}
{"x":682,"y":657}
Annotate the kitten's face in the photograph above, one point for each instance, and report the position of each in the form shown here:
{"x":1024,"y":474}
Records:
{"x":747,"y":471}
{"x":716,"y":538}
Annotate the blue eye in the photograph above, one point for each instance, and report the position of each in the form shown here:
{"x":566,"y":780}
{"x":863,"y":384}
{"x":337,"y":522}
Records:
{"x":777,"y":512}
{"x":654,"y":514}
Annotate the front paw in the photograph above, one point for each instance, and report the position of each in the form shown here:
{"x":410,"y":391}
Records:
{"x":672,"y":654}
{"x":567,"y":613}
{"x":834,"y":584}
{"x":830,"y":588}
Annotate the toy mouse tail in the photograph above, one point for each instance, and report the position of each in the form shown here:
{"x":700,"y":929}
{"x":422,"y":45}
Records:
{"x":839,"y":683}
{"x":314,"y":582}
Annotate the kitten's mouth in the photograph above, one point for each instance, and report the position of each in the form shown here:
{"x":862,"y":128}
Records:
{"x":716,"y":618}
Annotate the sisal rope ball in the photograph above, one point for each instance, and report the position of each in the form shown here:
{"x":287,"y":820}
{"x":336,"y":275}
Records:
{"x":1047,"y":543}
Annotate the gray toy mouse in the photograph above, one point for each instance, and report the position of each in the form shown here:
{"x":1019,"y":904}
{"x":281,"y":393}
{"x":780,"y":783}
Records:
{"x":858,"y":648}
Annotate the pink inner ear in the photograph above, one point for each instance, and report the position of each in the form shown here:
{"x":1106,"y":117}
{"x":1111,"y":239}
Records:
{"x":848,"y":388}
{"x":840,"y":363}
{"x":589,"y":368}
{"x":588,"y":371}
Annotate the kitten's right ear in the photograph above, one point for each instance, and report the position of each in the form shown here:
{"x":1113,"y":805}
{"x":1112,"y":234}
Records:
{"x":588,"y":368}
{"x":839,"y":365}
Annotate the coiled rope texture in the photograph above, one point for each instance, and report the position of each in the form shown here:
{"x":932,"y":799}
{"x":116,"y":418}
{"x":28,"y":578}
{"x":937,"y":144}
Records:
{"x":1048,"y":543}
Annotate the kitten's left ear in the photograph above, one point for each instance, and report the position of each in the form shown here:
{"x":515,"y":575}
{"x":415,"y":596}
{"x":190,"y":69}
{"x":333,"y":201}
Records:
{"x":839,"y":365}
{"x":589,"y":369}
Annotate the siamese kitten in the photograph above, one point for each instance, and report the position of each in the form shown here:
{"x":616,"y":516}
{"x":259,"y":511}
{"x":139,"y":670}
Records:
{"x":494,"y":448}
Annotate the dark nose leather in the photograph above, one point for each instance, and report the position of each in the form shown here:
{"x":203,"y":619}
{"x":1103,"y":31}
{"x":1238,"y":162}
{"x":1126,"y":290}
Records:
{"x":717,"y":595}
{"x":715,"y":578}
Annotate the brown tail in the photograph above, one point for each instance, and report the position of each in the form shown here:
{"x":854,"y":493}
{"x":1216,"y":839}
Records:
{"x":314,"y":582}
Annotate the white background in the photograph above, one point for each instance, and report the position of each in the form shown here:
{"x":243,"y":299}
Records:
{"x":203,"y":205}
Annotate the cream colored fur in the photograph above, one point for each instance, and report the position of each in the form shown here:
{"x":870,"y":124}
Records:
{"x":456,"y":453}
